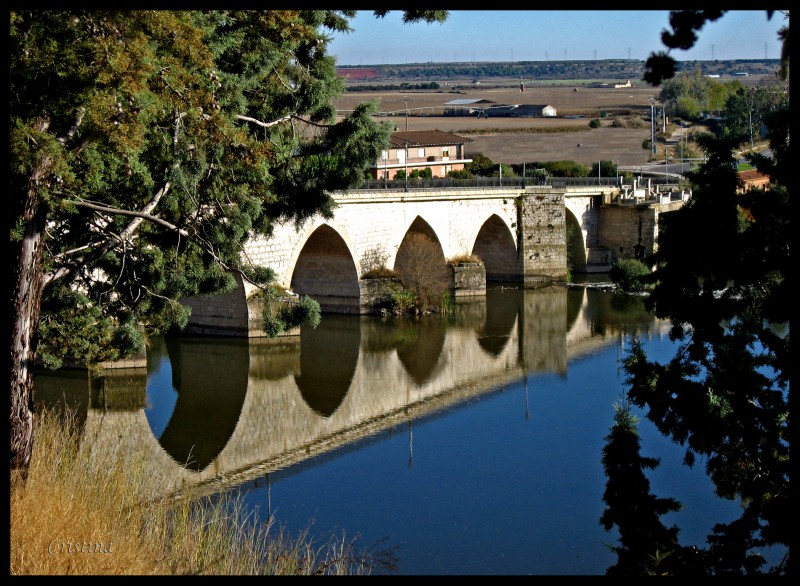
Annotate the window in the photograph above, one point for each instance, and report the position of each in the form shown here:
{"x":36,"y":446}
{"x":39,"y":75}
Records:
{"x":446,"y":152}
{"x":421,"y":153}
{"x":384,"y":155}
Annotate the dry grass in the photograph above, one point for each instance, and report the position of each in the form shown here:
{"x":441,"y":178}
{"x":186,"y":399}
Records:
{"x":519,"y":140}
{"x":464,"y":258}
{"x":85,"y":510}
{"x":73,"y":517}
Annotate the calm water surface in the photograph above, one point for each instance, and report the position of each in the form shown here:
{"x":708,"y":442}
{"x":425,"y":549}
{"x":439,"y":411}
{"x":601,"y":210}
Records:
{"x":471,"y":445}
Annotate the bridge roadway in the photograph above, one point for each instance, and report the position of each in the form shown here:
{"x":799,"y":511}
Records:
{"x":248,"y":408}
{"x":519,"y":233}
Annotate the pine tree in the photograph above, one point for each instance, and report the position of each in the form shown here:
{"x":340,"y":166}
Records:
{"x":146,"y":148}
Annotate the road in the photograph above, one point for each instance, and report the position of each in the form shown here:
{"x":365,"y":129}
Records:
{"x":672,"y":170}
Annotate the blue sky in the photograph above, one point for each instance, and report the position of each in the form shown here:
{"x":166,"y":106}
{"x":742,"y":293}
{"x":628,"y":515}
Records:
{"x":549,"y":35}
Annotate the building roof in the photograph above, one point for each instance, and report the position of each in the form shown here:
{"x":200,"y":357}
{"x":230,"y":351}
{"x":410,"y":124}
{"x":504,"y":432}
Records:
{"x":752,"y":175}
{"x":468,"y":102}
{"x":422,"y":138}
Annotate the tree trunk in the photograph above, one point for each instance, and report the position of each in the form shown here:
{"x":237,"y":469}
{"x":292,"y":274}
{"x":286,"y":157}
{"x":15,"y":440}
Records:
{"x":26,"y":300}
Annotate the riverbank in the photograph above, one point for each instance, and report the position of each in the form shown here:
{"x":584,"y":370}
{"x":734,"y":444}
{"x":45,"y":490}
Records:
{"x":75,"y":515}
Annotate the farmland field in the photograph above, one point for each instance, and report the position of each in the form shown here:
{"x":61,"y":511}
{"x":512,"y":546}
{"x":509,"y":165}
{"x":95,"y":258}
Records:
{"x":517,"y":140}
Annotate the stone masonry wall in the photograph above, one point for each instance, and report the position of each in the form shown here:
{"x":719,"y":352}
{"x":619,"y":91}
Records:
{"x":543,"y":241}
{"x":619,"y":229}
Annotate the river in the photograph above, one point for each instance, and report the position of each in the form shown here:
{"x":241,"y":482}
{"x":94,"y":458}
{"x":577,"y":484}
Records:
{"x":469,"y":445}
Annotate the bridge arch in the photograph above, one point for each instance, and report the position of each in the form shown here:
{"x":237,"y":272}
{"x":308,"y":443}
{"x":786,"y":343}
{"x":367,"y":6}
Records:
{"x":325,"y":270}
{"x":399,"y":257}
{"x":576,"y":244}
{"x":495,"y":245}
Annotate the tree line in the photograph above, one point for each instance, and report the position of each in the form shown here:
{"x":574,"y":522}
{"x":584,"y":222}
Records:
{"x":632,"y":69}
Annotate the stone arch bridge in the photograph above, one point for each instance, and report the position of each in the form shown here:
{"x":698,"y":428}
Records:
{"x":520,"y":234}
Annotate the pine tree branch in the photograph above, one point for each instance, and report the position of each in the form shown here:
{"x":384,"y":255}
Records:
{"x":279,"y":120}
{"x":132,"y":213}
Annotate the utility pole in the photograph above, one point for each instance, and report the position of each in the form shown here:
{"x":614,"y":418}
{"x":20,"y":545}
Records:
{"x":652,"y":126}
{"x":683,"y":137}
{"x":405,"y":99}
{"x":405,"y":161}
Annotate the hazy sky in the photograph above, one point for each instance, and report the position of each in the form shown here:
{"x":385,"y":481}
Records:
{"x":549,"y":35}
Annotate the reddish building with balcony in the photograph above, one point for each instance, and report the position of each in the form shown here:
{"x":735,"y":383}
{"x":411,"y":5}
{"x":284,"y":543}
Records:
{"x":440,"y":151}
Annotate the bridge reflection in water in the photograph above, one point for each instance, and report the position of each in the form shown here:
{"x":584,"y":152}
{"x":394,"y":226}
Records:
{"x":210,"y":413}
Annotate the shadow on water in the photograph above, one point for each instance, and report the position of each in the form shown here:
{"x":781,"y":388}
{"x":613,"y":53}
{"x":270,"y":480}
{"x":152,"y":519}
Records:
{"x":210,"y":377}
{"x":328,"y":358}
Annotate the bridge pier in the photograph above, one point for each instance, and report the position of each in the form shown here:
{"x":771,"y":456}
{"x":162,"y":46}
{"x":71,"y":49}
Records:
{"x":542,"y":238}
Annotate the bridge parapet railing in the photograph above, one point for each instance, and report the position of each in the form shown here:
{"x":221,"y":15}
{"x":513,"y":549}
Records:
{"x":438,"y":183}
{"x":662,"y":194}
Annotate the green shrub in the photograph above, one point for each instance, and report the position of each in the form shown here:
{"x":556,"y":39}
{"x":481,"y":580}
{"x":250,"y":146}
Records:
{"x":628,"y":274}
{"x":403,"y":301}
{"x":282,"y":314}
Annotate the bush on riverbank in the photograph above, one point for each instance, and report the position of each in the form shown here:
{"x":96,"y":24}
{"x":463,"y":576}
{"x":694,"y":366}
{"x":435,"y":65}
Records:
{"x":629,"y":275}
{"x":89,"y":509}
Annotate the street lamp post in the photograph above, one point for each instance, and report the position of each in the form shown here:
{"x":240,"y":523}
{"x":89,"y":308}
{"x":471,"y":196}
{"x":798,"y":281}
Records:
{"x":405,"y":99}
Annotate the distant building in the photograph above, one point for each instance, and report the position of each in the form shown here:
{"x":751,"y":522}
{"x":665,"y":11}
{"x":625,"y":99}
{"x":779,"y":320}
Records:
{"x":466,"y":106}
{"x":536,"y":111}
{"x":440,"y":151}
{"x":486,"y":108}
{"x":753,"y":179}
